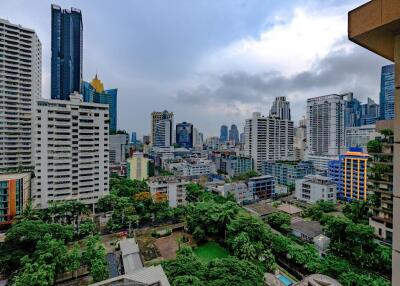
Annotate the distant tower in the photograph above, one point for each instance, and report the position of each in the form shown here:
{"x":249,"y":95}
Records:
{"x":280,"y":108}
{"x":156,"y":118}
{"x":386,"y":96}
{"x":184,"y":134}
{"x":133,"y":137}
{"x":66,"y":51}
{"x":95,"y":92}
{"x":234,"y":134}
{"x":223,"y":134}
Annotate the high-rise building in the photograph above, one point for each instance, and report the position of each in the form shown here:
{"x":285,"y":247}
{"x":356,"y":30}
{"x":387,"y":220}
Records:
{"x":380,"y":184}
{"x":350,"y":175}
{"x":360,"y":136}
{"x":20,"y":87}
{"x":351,"y":111}
{"x":325,"y":125}
{"x":242,"y":138}
{"x":386,"y":95}
{"x":234,"y":134}
{"x":66,"y":51}
{"x":164,"y":131}
{"x":70,"y":151}
{"x":223,"y":137}
{"x":133,"y":137}
{"x":15,"y":189}
{"x":300,"y":140}
{"x":156,"y":117}
{"x":184,"y":134}
{"x":118,"y":148}
{"x":268,"y":138}
{"x":358,"y":114}
{"x":95,"y":92}
{"x":369,"y":112}
{"x":280,"y":108}
{"x":138,"y":167}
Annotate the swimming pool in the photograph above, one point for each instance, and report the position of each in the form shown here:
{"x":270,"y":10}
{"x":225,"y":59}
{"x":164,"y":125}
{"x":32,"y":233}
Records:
{"x":285,"y":280}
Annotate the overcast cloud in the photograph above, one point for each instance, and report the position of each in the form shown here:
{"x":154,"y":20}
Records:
{"x":211,"y":62}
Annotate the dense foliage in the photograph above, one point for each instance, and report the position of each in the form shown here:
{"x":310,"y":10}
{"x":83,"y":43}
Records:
{"x":35,"y":252}
{"x":187,"y":270}
{"x":278,"y":220}
{"x":131,"y":204}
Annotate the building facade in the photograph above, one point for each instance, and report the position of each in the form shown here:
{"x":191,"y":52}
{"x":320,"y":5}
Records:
{"x":280,"y":108}
{"x":360,"y":136}
{"x":268,"y":138}
{"x":20,"y":87}
{"x":223,"y":137}
{"x":173,"y":187}
{"x":95,"y":92}
{"x":325,"y":125}
{"x":15,"y":190}
{"x":70,"y":151}
{"x":386,"y":94}
{"x":118,"y":148}
{"x":287,"y":172}
{"x":300,"y":141}
{"x":233,"y":165}
{"x":138,"y":167}
{"x":262,"y":187}
{"x":350,"y":175}
{"x":184,"y":134}
{"x":234,"y":134}
{"x":380,"y":184}
{"x":157,"y":117}
{"x":314,"y":188}
{"x":66,"y":51}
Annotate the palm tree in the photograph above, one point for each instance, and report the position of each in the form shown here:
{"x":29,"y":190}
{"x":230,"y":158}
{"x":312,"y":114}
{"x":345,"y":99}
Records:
{"x":226,"y":215}
{"x":28,"y":213}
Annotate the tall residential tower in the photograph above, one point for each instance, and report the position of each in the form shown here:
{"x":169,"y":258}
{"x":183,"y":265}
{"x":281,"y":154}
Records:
{"x":20,"y":87}
{"x":66,"y":51}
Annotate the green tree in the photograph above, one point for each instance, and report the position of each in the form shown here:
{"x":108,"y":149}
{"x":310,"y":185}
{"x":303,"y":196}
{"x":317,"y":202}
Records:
{"x":187,"y":280}
{"x":233,"y":272}
{"x":374,"y":146}
{"x":94,"y":257}
{"x":278,"y":220}
{"x":268,"y":259}
{"x":193,"y":192}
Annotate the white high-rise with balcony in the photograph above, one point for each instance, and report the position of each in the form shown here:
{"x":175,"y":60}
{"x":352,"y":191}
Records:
{"x":268,"y":138}
{"x":20,"y":86}
{"x":71,"y":151}
{"x":325,"y":125}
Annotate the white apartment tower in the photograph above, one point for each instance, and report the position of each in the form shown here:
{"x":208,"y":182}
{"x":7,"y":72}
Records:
{"x":20,"y":86}
{"x":156,"y":117}
{"x":280,"y":108}
{"x":268,"y":138}
{"x":71,"y":151}
{"x":325,"y":125}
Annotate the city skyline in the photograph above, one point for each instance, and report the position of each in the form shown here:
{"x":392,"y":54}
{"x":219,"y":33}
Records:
{"x":221,"y":89}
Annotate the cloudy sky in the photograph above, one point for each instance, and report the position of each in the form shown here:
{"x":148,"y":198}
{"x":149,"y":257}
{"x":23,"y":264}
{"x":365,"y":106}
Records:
{"x":211,"y":62}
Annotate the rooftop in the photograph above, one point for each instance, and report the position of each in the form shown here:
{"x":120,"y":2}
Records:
{"x":261,"y":208}
{"x":308,"y":228}
{"x":289,"y":209}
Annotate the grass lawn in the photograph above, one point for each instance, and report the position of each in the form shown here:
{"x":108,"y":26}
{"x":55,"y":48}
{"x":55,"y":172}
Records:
{"x":210,"y":251}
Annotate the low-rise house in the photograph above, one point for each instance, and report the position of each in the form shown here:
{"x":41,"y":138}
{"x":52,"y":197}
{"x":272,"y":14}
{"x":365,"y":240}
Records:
{"x":306,"y":230}
{"x":130,"y":255}
{"x":261,"y":209}
{"x":318,"y":280}
{"x":149,"y":276}
{"x":290,"y":209}
{"x":239,"y":190}
{"x":315,"y":188}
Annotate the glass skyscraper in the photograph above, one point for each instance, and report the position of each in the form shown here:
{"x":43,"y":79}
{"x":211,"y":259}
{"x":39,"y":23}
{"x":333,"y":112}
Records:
{"x":94,"y":92}
{"x":223,"y":137}
{"x":184,"y":134}
{"x":386,"y":96}
{"x":234,"y":134}
{"x":66,"y":51}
